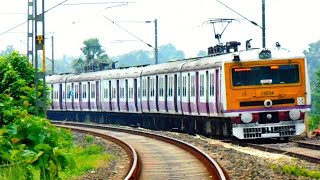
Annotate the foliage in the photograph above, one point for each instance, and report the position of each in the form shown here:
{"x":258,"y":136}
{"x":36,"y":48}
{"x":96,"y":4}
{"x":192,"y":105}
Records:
{"x":89,"y":138}
{"x":24,"y":138}
{"x":9,"y":49}
{"x":314,"y":122}
{"x":134,"y":58}
{"x":202,"y":53}
{"x":141,"y":57}
{"x":298,"y":171}
{"x":169,"y":52}
{"x":94,"y":55}
{"x":94,"y":152}
{"x":313,"y":59}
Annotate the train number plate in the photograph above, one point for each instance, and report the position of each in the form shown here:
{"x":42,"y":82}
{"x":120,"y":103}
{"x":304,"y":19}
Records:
{"x":263,"y":93}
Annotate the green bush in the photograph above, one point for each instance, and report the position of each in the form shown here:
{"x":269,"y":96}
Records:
{"x":92,"y":149}
{"x":89,"y":138}
{"x":314,"y":122}
{"x":24,"y":138}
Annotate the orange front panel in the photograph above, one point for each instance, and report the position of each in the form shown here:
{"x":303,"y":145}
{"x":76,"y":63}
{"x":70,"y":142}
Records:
{"x":250,"y":97}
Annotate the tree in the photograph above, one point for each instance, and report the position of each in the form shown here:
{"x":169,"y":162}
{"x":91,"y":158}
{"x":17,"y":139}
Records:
{"x":313,"y":59}
{"x":169,"y":52}
{"x":134,"y":58}
{"x":141,"y":57}
{"x":94,"y":55}
{"x":26,"y":139}
{"x":202,"y":53}
{"x":9,"y":49}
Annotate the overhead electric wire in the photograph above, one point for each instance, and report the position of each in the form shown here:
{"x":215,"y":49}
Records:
{"x":94,"y":3}
{"x":34,"y":17}
{"x":254,"y":23}
{"x":129,"y":32}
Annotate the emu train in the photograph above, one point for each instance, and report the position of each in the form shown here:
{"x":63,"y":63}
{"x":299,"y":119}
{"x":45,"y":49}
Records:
{"x":248,"y":94}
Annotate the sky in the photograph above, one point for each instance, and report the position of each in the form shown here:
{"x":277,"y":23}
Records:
{"x":292,"y":23}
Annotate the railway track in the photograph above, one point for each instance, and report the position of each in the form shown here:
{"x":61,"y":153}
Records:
{"x":300,"y":149}
{"x":158,"y":157}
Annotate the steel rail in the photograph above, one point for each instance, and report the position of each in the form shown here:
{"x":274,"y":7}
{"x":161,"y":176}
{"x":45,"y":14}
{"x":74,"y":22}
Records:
{"x":215,"y":170}
{"x":279,"y":151}
{"x":135,"y":169}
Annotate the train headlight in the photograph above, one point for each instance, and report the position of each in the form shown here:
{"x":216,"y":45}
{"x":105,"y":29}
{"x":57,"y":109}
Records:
{"x":267,"y":103}
{"x":294,"y":114}
{"x":246,"y":117}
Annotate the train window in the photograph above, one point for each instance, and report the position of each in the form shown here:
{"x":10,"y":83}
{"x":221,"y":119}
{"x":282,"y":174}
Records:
{"x":184,"y":86}
{"x":84,"y":91}
{"x":201,"y":85}
{"x":161,"y":87}
{"x":76,"y":93}
{"x":139,"y":92}
{"x":211,"y":82}
{"x":151,"y":87}
{"x":105,"y":93}
{"x":192,"y":88}
{"x":171,"y":87}
{"x":121,"y":92}
{"x":93,"y":92}
{"x":143,"y":88}
{"x":179,"y":84}
{"x":113,"y":92}
{"x":259,"y":75}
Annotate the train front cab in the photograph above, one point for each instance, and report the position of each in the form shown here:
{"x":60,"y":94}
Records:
{"x":267,"y":98}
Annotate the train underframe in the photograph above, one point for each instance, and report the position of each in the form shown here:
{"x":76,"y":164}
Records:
{"x":207,"y":126}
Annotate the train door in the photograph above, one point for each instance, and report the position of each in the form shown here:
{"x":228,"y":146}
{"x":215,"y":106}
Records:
{"x":109,"y":95}
{"x":89,"y":94}
{"x":98,"y":96}
{"x":72,"y":93}
{"x":135,"y":87}
{"x":126,"y":94}
{"x":197,"y":92}
{"x":80,"y":96}
{"x":52,"y":97}
{"x":217,"y":92}
{"x":157,"y":98}
{"x":60,"y":96}
{"x":191,"y":93}
{"x":175,"y":98}
{"x":118,"y":94}
{"x":211,"y":93}
{"x":148,"y":93}
{"x":166,"y":92}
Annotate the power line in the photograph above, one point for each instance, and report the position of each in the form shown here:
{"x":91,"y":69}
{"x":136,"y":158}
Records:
{"x":254,"y":23}
{"x":128,"y":32}
{"x":95,"y":3}
{"x":33,"y":18}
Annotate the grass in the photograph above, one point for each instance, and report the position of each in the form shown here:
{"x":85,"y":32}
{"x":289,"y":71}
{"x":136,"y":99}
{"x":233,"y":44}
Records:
{"x":16,"y":172}
{"x":87,"y":158}
{"x":297,"y":171}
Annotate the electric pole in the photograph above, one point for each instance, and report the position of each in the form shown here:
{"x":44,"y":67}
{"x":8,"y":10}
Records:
{"x":36,"y":31}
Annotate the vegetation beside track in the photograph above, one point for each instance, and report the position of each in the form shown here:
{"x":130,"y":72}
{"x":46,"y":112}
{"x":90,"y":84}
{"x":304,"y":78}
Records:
{"x":28,"y":143}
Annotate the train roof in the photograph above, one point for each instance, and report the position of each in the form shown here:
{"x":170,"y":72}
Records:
{"x":57,"y":78}
{"x":177,"y":66}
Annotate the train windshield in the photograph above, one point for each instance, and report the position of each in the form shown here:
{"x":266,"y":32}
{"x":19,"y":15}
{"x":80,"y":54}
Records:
{"x":261,"y":75}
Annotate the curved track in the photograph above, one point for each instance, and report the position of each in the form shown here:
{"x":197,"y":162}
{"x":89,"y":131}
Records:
{"x":162,"y":157}
{"x":302,"y":150}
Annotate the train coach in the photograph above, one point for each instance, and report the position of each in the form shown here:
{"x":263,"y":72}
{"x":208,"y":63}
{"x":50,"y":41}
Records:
{"x":250,"y":94}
